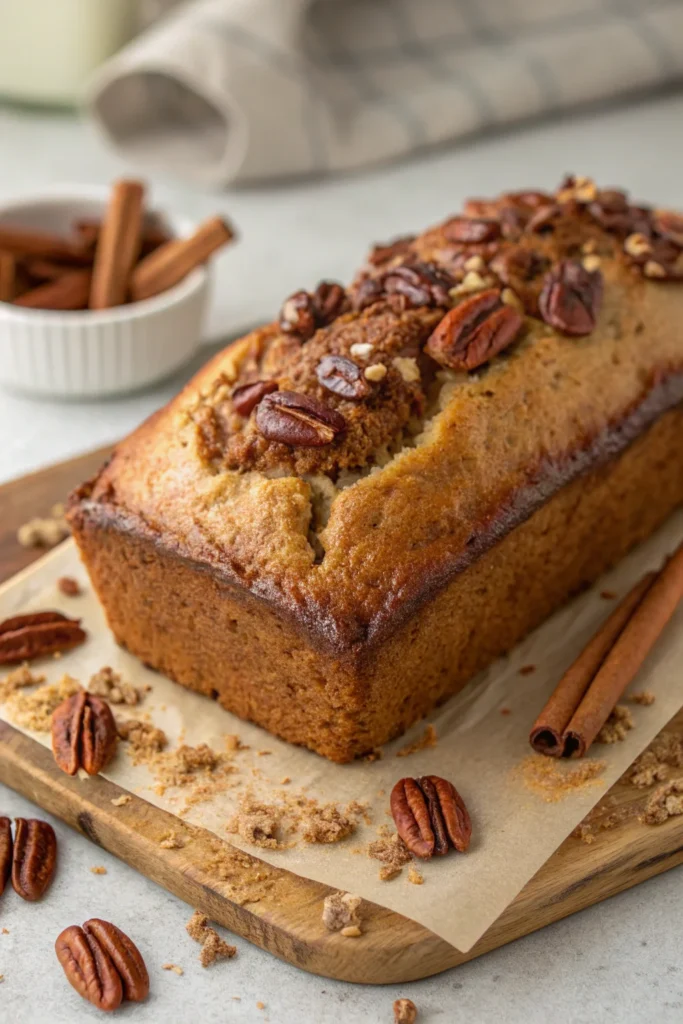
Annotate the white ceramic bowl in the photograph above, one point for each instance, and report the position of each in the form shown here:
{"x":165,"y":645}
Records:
{"x":96,"y":352}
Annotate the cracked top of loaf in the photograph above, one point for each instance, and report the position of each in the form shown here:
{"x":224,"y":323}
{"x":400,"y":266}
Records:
{"x":345,"y":461}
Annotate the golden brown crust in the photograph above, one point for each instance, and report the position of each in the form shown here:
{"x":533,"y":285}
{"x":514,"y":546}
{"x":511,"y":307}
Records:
{"x":351,"y":538}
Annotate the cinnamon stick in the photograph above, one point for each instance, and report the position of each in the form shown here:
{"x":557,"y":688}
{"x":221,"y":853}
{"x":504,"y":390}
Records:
{"x":21,"y":242}
{"x":548,"y":730}
{"x":118,"y":245}
{"x":171,"y":262}
{"x":70,"y":291}
{"x":153,"y":235}
{"x":8,"y":276}
{"x":46,"y":270}
{"x":626,"y":656}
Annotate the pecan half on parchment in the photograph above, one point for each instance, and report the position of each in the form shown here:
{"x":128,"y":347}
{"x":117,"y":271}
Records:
{"x":102,"y":964}
{"x":5,"y":852}
{"x":430,"y":816}
{"x":571,"y":298}
{"x":474,"y":331}
{"x":24,"y":637}
{"x":298,"y":420}
{"x":83,"y":734}
{"x":34,"y":857}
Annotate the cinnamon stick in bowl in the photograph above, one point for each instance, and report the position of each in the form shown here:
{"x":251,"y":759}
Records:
{"x":590,"y":689}
{"x":171,"y":262}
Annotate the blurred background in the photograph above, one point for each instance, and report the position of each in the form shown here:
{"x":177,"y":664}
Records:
{"x":318,"y":127}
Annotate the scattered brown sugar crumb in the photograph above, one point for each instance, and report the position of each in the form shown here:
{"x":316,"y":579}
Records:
{"x":505,"y":711}
{"x":405,"y":1011}
{"x":608,"y":595}
{"x":108,"y":684}
{"x":527,"y":670}
{"x":5,"y":931}
{"x":600,"y":819}
{"x":414,"y":876}
{"x":374,"y":755}
{"x":352,"y":931}
{"x":285,"y":780}
{"x":144,"y":740}
{"x":553,"y":782}
{"x":233,"y":743}
{"x":327,"y":824}
{"x":654,"y":764}
{"x":173,"y":967}
{"x":340,"y":910}
{"x":644,"y":697}
{"x":98,"y":869}
{"x":665,"y":802}
{"x":260,"y":1005}
{"x":201,"y":769}
{"x":68,"y":586}
{"x":171,"y":841}
{"x":34,"y":710}
{"x":619,"y":723}
{"x":213,"y":946}
{"x":17,"y":679}
{"x":391,"y":851}
{"x":44,"y":532}
{"x":258,"y":823}
{"x":263,"y":753}
{"x":428,"y":739}
{"x":121,"y":801}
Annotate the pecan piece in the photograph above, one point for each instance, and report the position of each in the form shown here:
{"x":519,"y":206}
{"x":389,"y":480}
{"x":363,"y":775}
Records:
{"x":571,"y":298}
{"x":34,"y":857}
{"x":83,"y":734}
{"x":342,"y":377}
{"x":430,"y":816}
{"x":24,"y":637}
{"x":124,"y":955}
{"x":298,"y":420}
{"x":471,"y":229}
{"x":5,"y":852}
{"x":246,"y":397}
{"x":473,"y":332}
{"x":303,"y":313}
{"x":420,"y":284}
{"x":669,"y":225}
{"x":381,"y":254}
{"x":89,"y":969}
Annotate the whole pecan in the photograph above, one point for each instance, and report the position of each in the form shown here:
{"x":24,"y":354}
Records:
{"x":5,"y":852}
{"x":304,"y":312}
{"x":89,"y":969}
{"x":474,"y":331}
{"x":571,"y":298}
{"x":471,"y":229}
{"x":34,"y":857}
{"x":124,"y":955}
{"x":24,"y":637}
{"x":298,"y":420}
{"x":430,"y":816}
{"x":246,"y":397}
{"x":342,"y":377}
{"x":83,"y":734}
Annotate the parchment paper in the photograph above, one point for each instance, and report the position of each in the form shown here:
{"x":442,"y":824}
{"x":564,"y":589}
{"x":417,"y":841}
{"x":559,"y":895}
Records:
{"x":479,"y":749}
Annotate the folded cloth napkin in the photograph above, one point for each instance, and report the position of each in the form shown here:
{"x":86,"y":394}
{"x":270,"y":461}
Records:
{"x":226,"y":91}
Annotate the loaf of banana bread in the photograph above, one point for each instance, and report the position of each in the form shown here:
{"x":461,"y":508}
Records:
{"x":352,"y":510}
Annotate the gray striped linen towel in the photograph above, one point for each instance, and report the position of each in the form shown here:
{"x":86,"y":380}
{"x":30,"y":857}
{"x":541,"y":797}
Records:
{"x":226,"y":91}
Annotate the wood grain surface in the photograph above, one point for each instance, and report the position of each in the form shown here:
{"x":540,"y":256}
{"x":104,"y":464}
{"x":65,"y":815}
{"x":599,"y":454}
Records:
{"x":275,"y":909}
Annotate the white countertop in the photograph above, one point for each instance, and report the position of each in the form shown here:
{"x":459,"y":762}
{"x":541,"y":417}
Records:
{"x":619,"y":961}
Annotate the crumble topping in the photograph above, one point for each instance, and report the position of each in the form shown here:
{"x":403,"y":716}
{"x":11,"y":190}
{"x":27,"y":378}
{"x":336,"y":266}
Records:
{"x":619,"y":723}
{"x":340,"y":910}
{"x":34,"y":710}
{"x":213,"y":946}
{"x":45,"y":532}
{"x":428,"y":739}
{"x":665,"y":802}
{"x":392,"y":853}
{"x":108,"y":684}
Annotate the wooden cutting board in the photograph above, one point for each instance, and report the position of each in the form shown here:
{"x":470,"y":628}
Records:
{"x":286,"y":920}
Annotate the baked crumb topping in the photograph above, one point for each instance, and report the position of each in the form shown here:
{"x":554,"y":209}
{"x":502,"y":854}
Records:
{"x":363,"y":360}
{"x":213,"y":946}
{"x":341,"y":911}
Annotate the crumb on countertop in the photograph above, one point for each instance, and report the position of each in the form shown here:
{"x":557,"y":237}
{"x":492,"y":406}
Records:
{"x":429,"y":738}
{"x":213,"y":946}
{"x":173,"y":967}
{"x":608,"y":595}
{"x":405,"y":1011}
{"x":98,"y":869}
{"x":527,"y":670}
{"x":619,"y":723}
